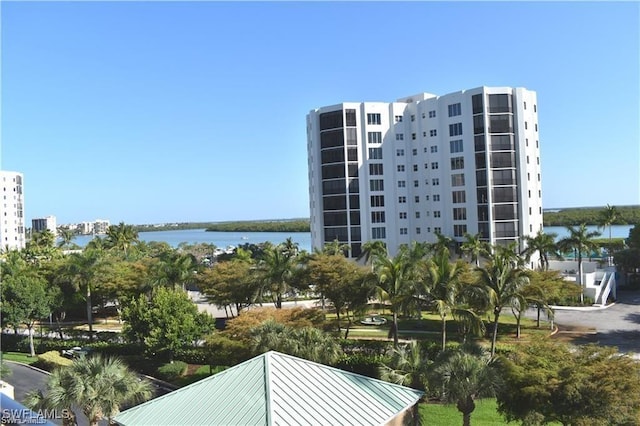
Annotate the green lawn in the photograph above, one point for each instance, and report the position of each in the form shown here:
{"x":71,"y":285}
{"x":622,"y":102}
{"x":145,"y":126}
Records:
{"x":18,"y":357}
{"x":485,"y":414}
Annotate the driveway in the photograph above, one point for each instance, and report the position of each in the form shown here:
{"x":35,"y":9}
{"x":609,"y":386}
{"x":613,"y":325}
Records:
{"x":617,"y":325}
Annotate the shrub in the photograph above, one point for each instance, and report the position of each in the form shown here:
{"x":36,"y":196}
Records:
{"x":367,"y":365}
{"x":222,"y":350}
{"x":52,"y":360}
{"x":239,"y":328}
{"x":192,"y":355}
{"x":172,"y":371}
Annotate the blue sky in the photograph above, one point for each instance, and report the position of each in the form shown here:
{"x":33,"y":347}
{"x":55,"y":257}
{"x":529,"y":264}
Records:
{"x":150,"y":112}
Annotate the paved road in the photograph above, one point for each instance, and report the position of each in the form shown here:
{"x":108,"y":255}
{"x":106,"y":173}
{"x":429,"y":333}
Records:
{"x":617,"y":325}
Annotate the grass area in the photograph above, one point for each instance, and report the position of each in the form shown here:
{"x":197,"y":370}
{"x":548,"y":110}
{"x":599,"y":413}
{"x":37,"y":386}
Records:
{"x":485,"y":414}
{"x":19,"y":357}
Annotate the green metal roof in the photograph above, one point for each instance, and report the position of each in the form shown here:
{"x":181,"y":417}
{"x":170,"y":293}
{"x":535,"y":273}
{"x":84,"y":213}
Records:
{"x":276,"y":389}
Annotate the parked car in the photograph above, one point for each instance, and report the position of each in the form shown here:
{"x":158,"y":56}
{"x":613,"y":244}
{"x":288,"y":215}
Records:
{"x":76,"y":352}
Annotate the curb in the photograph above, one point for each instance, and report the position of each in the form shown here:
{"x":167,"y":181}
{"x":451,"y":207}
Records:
{"x":555,"y":331}
{"x":581,"y":308}
{"x":29,"y":366}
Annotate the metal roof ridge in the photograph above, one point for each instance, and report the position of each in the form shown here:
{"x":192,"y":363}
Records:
{"x":267,"y":388}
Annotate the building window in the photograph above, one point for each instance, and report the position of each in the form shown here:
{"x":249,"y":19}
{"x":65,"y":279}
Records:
{"x":423,"y":115}
{"x":455,"y":109}
{"x":459,"y":197}
{"x":459,"y":230}
{"x":537,"y":144}
{"x":375,"y":153}
{"x":535,"y":108}
{"x":402,"y":199}
{"x":418,"y":230}
{"x":426,"y":197}
{"x":415,"y":184}
{"x":434,"y":165}
{"x":436,"y":213}
{"x":402,"y":184}
{"x":415,"y":167}
{"x":455,"y":129}
{"x":400,"y":152}
{"x":401,"y":168}
{"x":426,"y":165}
{"x":398,"y":118}
{"x":403,"y":231}
{"x":376,"y":185}
{"x":414,"y":151}
{"x":433,"y":132}
{"x":399,"y":136}
{"x":538,"y":160}
{"x":375,"y":169}
{"x":416,"y":199}
{"x":374,"y":137}
{"x":377,"y":201}
{"x":455,"y":146}
{"x":432,"y":114}
{"x":403,"y":215}
{"x":424,"y":149}
{"x":525,"y":105}
{"x":535,"y":126}
{"x":373,"y":119}
{"x":424,"y":134}
{"x":417,"y":215}
{"x":377,"y":217}
{"x":413,"y":136}
{"x":457,"y":179}
{"x":434,"y":149}
{"x":457,"y":163}
{"x":437,"y":230}
{"x":435,"y":181}
{"x":525,"y":125}
{"x":378,"y":233}
{"x":436,"y":197}
{"x":413,"y":117}
{"x":459,"y":213}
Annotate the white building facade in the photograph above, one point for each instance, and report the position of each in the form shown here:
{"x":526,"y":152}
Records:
{"x":466,"y":162}
{"x":12,"y":231}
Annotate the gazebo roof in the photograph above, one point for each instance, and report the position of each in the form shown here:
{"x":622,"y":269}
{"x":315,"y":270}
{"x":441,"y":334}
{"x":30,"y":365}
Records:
{"x":276,"y":389}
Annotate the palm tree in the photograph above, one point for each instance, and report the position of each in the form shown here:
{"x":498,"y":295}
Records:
{"x":277,"y":269}
{"x":580,"y":239}
{"x":544,"y":244}
{"x":81,"y":269}
{"x":502,"y":280}
{"x":99,"y":386}
{"x":465,"y":377}
{"x":608,"y":217}
{"x":475,"y":247}
{"x":443,"y":242}
{"x":174,"y":270}
{"x":396,"y":283}
{"x":335,"y":247}
{"x":66,"y":236}
{"x":408,"y":365}
{"x":442,"y":281}
{"x":372,"y":250}
{"x":121,"y":237}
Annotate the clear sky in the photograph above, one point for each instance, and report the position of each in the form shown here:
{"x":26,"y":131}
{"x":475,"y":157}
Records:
{"x":152,"y":112}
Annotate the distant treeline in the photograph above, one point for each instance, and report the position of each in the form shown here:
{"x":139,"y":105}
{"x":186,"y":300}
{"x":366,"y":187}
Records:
{"x":295,"y":225}
{"x":627,"y":215}
{"x":172,"y":226}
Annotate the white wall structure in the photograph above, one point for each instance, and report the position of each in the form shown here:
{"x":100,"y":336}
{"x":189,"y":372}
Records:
{"x":466,"y":162}
{"x":42,"y":223}
{"x":12,"y":232}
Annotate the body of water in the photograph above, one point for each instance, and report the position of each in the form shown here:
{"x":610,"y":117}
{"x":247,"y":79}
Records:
{"x":225,"y":239}
{"x":219,"y":239}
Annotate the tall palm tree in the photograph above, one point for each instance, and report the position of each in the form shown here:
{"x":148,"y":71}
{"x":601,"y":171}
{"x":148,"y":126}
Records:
{"x":408,"y":365}
{"x":580,"y":239}
{"x":335,"y":247}
{"x":66,"y":236}
{"x":99,"y":386}
{"x":174,"y":270}
{"x":442,"y":243}
{"x":608,"y":217}
{"x":277,"y":269}
{"x":396,"y":281}
{"x":475,"y":247}
{"x":82,"y":269}
{"x":465,"y":377}
{"x":544,"y":244}
{"x":121,"y":237}
{"x":444,"y":288}
{"x":502,"y":280}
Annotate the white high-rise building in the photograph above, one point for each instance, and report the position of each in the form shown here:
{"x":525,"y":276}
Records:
{"x":42,"y":223}
{"x":12,"y":232}
{"x":466,"y":162}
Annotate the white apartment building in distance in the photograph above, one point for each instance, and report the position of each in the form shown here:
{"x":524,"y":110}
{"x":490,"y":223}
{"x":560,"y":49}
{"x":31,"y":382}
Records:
{"x":12,"y":232}
{"x":465,"y":162}
{"x":42,"y":223}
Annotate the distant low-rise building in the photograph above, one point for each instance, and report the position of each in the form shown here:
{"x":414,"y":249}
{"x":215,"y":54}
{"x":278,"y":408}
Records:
{"x":100,"y":226}
{"x":12,"y":231}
